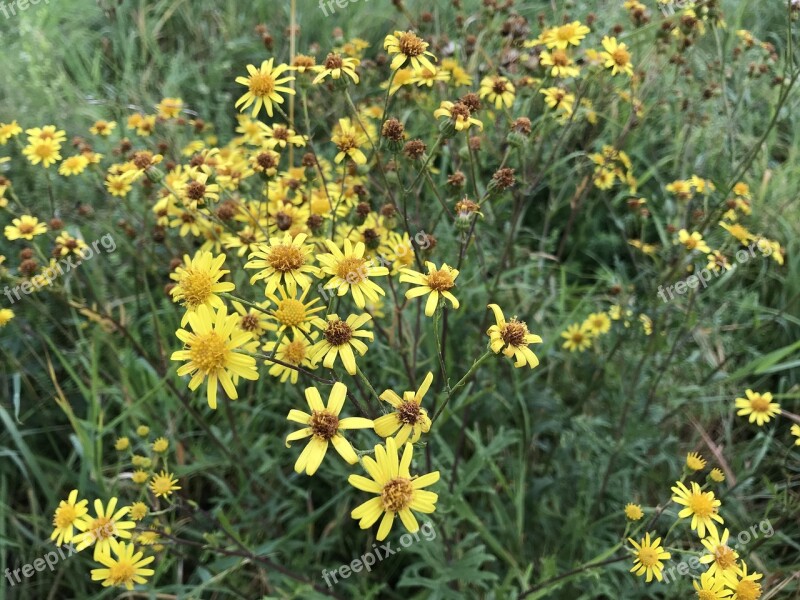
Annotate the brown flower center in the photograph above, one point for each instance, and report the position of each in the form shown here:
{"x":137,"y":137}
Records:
{"x":285,"y":258}
{"x":621,"y":57}
{"x":324,"y":424}
{"x":514,"y":332}
{"x":460,"y":112}
{"x":280,"y":133}
{"x":352,"y":270}
{"x":195,"y":190}
{"x":396,"y":494}
{"x":294,"y":352}
{"x":25,"y":228}
{"x":333,"y":61}
{"x":499,"y":86}
{"x":266,"y":161}
{"x":759,"y":403}
{"x":409,"y":413}
{"x":249,"y":322}
{"x":338,"y":333}
{"x":411,"y":44}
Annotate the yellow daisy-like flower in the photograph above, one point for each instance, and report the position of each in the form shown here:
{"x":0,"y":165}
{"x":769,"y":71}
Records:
{"x":102,"y":127}
{"x":398,"y":493}
{"x":566,"y":35}
{"x":693,"y":241}
{"x":711,"y":587}
{"x":459,"y":114}
{"x":292,"y":312}
{"x":335,"y":66}
{"x":210,"y":352}
{"x":142,"y":430}
{"x":498,"y":90}
{"x":280,"y":136}
{"x":198,"y":191}
{"x":45,"y":151}
{"x":578,"y":338}
{"x":348,"y":139}
{"x":744,"y":585}
{"x":6,"y":314}
{"x":264,"y":87}
{"x":717,"y":261}
{"x":436,"y":282}
{"x":294,"y":350}
{"x":721,"y":558}
{"x":199,"y":282}
{"x":339,"y":338}
{"x":324,"y":426}
{"x":126,"y":569}
{"x":738,"y":231}
{"x":351,"y":272}
{"x":139,"y":476}
{"x":252,"y":320}
{"x":633,"y":512}
{"x":138,"y":511}
{"x":65,"y":518}
{"x":73,"y":165}
{"x":702,"y":506}
{"x":163,"y":484}
{"x":66,"y":244}
{"x":401,"y":77}
{"x":285,"y":261}
{"x":513,"y":338}
{"x":616,"y":56}
{"x":560,"y":62}
{"x":119,"y":184}
{"x":409,"y":419}
{"x":141,"y":461}
{"x":427,"y":77}
{"x":161,"y":445}
{"x":695,"y":462}
{"x":648,"y":558}
{"x":796,"y":432}
{"x":759,"y":407}
{"x":408,"y":48}
{"x":558,"y":99}
{"x":24,"y":228}
{"x":9,"y":130}
{"x":597,"y":323}
{"x":122,"y":443}
{"x":169,"y":108}
{"x":716,"y":475}
{"x":103,"y":529}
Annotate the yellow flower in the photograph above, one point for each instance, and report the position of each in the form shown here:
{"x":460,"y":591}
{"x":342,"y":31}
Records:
{"x":6,"y":314}
{"x":648,"y":558}
{"x":711,"y":587}
{"x":280,"y":136}
{"x":102,"y":127}
{"x":796,"y":432}
{"x":597,"y":323}
{"x":744,"y":586}
{"x":616,"y":55}
{"x":436,"y":282}
{"x":565,"y":35}
{"x":73,"y":165}
{"x":142,"y":430}
{"x":459,"y":114}
{"x":138,"y":511}
{"x":633,"y":512}
{"x":408,"y":48}
{"x":716,"y":475}
{"x":398,"y":493}
{"x":42,"y":151}
{"x":401,"y":78}
{"x":760,"y":407}
{"x":335,"y":66}
{"x":284,"y":261}
{"x":409,"y":419}
{"x":561,"y":63}
{"x":558,"y":99}
{"x":701,"y":506}
{"x":738,"y":231}
{"x":498,"y":90}
{"x":125,"y":570}
{"x":295,"y":351}
{"x":119,"y":184}
{"x":139,"y":476}
{"x":721,"y":558}
{"x":323,"y":425}
{"x":695,"y":462}
{"x":198,"y":282}
{"x":210,"y":352}
{"x":141,"y":461}
{"x":169,"y":108}
{"x":254,"y":321}
{"x":9,"y":130}
{"x":161,"y":445}
{"x":578,"y":338}
{"x":425,"y":76}
{"x":65,"y":518}
{"x":25,"y":228}
{"x":163,"y":484}
{"x":103,"y":529}
{"x":348,"y":139}
{"x":513,"y":338}
{"x":199,"y":191}
{"x":339,"y":339}
{"x":263,"y":87}
{"x":292,"y":312}
{"x":351,"y":272}
{"x":693,"y":241}
{"x":122,"y":443}
{"x":717,"y":261}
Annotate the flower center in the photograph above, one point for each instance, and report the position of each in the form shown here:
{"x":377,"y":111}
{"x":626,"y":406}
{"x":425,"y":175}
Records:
{"x":333,"y":61}
{"x":411,"y":45}
{"x":725,"y":557}
{"x":409,"y":413}
{"x":514,"y":332}
{"x":346,"y":141}
{"x":621,"y":56}
{"x":249,"y":322}
{"x":352,"y":270}
{"x":338,"y":333}
{"x":65,"y":516}
{"x":324,"y":424}
{"x":209,"y":352}
{"x":195,"y":190}
{"x":121,"y":572}
{"x":396,"y":494}
{"x":759,"y":403}
{"x":701,"y":504}
{"x":266,"y":161}
{"x":262,"y":84}
{"x":291,"y":312}
{"x":162,"y":485}
{"x":280,"y":133}
{"x":499,"y":86}
{"x":43,"y":150}
{"x":706,"y":595}
{"x":748,"y":590}
{"x":25,"y":228}
{"x":196,"y":287}
{"x":565,"y":32}
{"x":102,"y":528}
{"x":648,"y":557}
{"x":691,"y":243}
{"x":294,"y":352}
{"x":285,"y":257}
{"x":440,"y":281}
{"x":560,"y":58}
{"x":460,"y":111}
